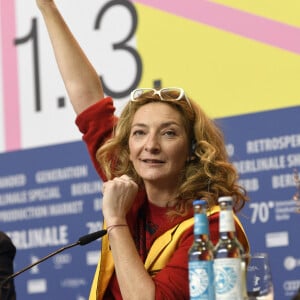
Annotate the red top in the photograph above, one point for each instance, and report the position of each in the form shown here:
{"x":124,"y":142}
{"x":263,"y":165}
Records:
{"x":145,"y":220}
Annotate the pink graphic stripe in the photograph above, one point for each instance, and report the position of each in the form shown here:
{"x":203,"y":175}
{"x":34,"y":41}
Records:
{"x":10,"y":76}
{"x":250,"y":26}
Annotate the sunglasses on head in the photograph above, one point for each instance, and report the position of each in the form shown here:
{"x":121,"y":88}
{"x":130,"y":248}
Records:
{"x":165,"y":94}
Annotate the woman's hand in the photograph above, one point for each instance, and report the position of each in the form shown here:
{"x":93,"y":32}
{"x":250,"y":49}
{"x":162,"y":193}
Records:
{"x":118,"y":197}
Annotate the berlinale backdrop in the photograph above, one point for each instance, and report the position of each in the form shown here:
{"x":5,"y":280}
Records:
{"x":239,"y":59}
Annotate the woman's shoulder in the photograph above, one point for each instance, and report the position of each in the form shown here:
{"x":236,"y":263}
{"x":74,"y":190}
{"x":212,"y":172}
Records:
{"x":99,"y":110}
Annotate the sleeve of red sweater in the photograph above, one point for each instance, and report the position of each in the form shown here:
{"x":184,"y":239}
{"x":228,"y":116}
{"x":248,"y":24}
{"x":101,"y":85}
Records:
{"x":96,"y":124}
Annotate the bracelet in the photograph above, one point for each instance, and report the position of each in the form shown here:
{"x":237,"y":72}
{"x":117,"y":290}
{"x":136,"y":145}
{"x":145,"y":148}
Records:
{"x":109,"y":228}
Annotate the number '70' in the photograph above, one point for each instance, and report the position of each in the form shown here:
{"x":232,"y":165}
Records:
{"x":260,"y":212}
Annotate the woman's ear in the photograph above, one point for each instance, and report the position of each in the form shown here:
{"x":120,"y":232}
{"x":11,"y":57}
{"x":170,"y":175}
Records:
{"x":193,"y":147}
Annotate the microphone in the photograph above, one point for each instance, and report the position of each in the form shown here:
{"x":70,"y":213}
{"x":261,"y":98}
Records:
{"x":86,"y":239}
{"x":83,"y":240}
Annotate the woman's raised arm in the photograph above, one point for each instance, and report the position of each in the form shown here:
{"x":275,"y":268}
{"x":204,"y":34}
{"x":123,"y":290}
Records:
{"x":81,"y":80}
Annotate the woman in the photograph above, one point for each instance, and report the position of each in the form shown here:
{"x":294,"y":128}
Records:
{"x":161,"y":154}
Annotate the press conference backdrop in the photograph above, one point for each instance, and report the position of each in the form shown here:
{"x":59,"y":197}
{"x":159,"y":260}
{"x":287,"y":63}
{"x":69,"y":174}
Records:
{"x":239,"y":60}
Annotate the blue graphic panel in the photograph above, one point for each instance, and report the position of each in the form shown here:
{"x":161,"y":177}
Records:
{"x":49,"y":197}
{"x":265,"y":148}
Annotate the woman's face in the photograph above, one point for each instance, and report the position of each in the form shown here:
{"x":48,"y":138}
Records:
{"x":158,"y":144}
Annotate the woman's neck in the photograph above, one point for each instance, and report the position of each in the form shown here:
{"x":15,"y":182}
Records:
{"x":160,"y":196}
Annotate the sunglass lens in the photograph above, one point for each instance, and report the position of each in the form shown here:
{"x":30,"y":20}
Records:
{"x":171,"y":93}
{"x":140,"y":92}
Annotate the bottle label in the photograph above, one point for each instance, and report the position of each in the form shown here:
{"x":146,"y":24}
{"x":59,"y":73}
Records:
{"x":226,"y":221}
{"x":201,"y":279}
{"x":228,"y":279}
{"x":200,"y":224}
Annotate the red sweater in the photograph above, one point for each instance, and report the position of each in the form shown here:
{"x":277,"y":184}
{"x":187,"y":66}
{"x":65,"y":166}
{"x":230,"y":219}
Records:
{"x":146,"y":220}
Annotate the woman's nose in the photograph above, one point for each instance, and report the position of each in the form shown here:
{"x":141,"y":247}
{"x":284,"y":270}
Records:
{"x":152,"y":144}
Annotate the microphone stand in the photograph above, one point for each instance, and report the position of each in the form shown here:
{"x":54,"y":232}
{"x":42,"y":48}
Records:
{"x":84,"y":240}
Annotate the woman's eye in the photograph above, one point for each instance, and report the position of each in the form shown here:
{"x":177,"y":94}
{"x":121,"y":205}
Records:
{"x":138,"y":132}
{"x":170,"y":133}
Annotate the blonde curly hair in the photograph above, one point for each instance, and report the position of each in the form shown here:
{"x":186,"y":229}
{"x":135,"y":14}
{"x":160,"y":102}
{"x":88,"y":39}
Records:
{"x":208,"y":173}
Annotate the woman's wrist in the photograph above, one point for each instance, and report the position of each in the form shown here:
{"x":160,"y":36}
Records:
{"x":45,"y":6}
{"x":115,"y":226}
{"x":111,"y":227}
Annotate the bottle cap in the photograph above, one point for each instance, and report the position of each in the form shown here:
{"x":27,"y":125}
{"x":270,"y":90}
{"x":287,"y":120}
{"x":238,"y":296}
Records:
{"x":225,"y":199}
{"x":199,"y":202}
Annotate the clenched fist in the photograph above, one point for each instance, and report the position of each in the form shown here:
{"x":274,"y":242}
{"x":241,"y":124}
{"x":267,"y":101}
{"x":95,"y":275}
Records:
{"x":118,"y":197}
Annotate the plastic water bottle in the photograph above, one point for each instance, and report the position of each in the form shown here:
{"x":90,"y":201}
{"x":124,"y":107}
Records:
{"x":229,"y":268}
{"x":201,"y":255}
